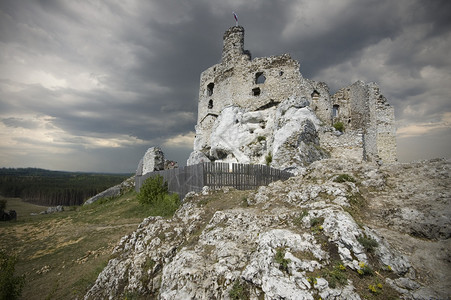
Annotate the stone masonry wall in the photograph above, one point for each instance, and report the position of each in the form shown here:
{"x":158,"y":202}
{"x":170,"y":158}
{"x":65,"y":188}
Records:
{"x":361,"y":107}
{"x":348,"y":145}
{"x":386,"y":131}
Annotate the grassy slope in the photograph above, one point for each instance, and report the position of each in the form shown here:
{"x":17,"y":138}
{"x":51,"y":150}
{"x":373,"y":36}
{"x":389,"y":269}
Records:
{"x":61,"y":254}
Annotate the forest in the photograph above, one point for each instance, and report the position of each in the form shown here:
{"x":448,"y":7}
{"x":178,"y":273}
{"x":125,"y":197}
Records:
{"x":51,"y":188}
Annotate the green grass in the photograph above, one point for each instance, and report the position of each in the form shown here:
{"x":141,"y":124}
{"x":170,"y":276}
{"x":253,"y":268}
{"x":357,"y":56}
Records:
{"x":368,"y":243}
{"x":239,"y":291}
{"x":71,"y":247}
{"x":268,"y":159}
{"x":339,"y":126}
{"x":23,"y":209}
{"x":344,"y":178}
{"x":281,"y":260}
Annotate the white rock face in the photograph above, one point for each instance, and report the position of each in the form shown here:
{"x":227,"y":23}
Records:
{"x":197,"y":157}
{"x":287,"y":133}
{"x":153,"y":160}
{"x":285,"y":240}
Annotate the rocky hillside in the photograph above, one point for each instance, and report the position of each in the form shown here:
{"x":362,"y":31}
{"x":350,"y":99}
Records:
{"x":340,"y":230}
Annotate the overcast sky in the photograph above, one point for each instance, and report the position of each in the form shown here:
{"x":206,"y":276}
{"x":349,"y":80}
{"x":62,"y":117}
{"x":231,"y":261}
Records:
{"x":90,"y":85}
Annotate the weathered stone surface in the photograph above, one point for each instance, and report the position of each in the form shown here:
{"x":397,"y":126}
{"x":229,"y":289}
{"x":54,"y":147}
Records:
{"x":287,"y":134}
{"x":114,"y":191}
{"x":197,"y":157}
{"x":206,"y":248}
{"x":54,"y":209}
{"x":153,"y":160}
{"x":170,"y":164}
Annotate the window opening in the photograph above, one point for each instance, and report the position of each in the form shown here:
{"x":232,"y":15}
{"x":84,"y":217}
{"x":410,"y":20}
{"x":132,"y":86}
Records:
{"x":260,"y":78}
{"x":335,"y":110}
{"x":256,"y":91}
{"x":210,"y":104}
{"x":210,"y":87}
{"x":315,"y":94}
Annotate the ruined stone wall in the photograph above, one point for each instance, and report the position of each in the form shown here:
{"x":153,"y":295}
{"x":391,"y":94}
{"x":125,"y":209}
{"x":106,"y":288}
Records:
{"x":369,"y":127}
{"x":361,"y":107}
{"x":386,"y":130}
{"x":320,"y":101}
{"x":348,"y":145}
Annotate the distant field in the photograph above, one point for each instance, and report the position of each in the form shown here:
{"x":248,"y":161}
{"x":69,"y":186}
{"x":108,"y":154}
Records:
{"x":61,"y":254}
{"x":22,"y":208}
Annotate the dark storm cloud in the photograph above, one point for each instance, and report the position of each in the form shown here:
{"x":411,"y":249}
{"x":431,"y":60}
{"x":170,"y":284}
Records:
{"x":104,"y":79}
{"x":19,"y":123}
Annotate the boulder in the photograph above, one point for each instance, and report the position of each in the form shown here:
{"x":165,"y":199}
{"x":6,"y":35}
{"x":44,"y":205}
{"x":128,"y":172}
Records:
{"x":153,"y":160}
{"x":108,"y":193}
{"x":114,"y":191}
{"x":197,"y":157}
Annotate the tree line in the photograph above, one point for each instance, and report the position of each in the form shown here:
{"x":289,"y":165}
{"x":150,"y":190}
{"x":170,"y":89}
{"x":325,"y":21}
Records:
{"x":51,"y":188}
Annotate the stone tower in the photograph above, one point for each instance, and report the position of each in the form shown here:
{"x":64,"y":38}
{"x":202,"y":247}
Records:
{"x":233,"y":47}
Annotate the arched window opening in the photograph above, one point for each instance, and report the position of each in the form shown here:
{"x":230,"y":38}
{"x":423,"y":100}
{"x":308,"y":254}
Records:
{"x":260,"y":78}
{"x":210,"y":87}
{"x":315,"y":94}
{"x":335,"y":110}
{"x":210,"y":104}
{"x":256,"y":91}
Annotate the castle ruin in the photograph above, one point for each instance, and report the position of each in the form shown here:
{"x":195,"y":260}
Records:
{"x":256,"y":86}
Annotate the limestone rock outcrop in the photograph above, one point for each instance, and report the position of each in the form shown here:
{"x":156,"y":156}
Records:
{"x":285,"y":136}
{"x":341,"y":230}
{"x":113,"y":191}
{"x":153,"y":160}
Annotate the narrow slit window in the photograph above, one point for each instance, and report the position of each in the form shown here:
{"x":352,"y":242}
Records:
{"x":210,"y":104}
{"x":256,"y":91}
{"x":210,"y":87}
{"x":315,"y":94}
{"x":335,"y":110}
{"x":260,"y":78}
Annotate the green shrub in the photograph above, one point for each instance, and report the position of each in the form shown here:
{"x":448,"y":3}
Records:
{"x":268,"y":159}
{"x":365,"y":270}
{"x":238,"y":291}
{"x":166,"y":207}
{"x":153,"y":190}
{"x":298,"y":220}
{"x":344,"y":178}
{"x":336,"y":276}
{"x":316,"y":224}
{"x":281,"y":260}
{"x":368,"y":243}
{"x":261,"y":138}
{"x":375,"y":288}
{"x":316,"y":221}
{"x":339,"y":126}
{"x":155,"y":195}
{"x":10,"y":285}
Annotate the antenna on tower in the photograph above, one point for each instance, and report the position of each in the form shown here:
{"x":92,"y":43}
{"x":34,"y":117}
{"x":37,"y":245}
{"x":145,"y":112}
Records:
{"x":236,"y":18}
